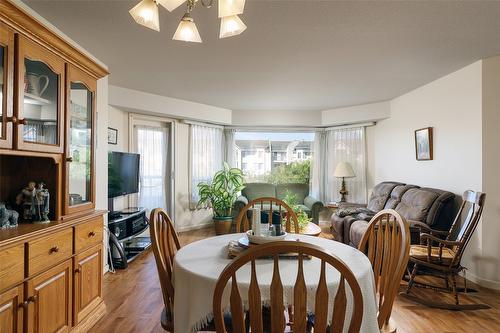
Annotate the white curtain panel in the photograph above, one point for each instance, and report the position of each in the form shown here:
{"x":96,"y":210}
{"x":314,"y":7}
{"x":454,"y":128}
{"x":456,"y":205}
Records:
{"x":206,"y":156}
{"x":230,"y":147}
{"x":318,"y":167}
{"x":346,"y":145}
{"x":152,"y":145}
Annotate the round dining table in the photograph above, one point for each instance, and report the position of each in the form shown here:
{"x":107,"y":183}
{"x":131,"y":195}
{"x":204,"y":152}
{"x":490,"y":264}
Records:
{"x":197,"y":267}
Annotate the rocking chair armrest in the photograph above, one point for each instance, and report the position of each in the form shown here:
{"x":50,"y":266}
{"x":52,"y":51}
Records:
{"x":441,"y":242}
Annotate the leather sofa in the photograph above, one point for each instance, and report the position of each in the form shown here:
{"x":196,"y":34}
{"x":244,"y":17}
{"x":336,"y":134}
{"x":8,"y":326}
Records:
{"x":423,"y":207}
{"x":253,"y":191}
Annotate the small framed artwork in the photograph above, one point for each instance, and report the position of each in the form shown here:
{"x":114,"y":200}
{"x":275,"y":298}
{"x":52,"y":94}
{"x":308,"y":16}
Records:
{"x":423,"y":144}
{"x":112,"y":136}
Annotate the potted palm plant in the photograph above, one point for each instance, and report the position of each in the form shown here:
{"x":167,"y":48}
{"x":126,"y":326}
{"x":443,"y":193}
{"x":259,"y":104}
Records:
{"x":220,"y":195}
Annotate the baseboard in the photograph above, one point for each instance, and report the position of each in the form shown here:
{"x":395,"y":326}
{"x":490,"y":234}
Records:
{"x":490,"y":284}
{"x":195,"y":227}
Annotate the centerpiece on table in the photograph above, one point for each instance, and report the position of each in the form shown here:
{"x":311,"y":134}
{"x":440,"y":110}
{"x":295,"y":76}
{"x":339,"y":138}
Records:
{"x":220,"y":195}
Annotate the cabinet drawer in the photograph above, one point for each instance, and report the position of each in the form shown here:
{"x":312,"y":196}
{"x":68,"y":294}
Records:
{"x":88,"y":234}
{"x":11,"y":266}
{"x":49,"y":251}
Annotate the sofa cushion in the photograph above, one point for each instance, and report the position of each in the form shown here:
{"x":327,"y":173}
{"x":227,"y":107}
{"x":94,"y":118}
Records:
{"x":415,"y":204}
{"x":439,"y":216}
{"x":380,"y":194}
{"x":357,"y":231}
{"x":301,"y":191}
{"x":396,"y":195}
{"x":258,"y":190}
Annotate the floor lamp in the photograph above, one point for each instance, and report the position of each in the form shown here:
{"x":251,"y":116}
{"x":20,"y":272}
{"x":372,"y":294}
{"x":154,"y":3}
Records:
{"x":343,"y":170}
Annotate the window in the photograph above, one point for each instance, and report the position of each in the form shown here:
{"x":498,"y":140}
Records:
{"x":282,"y":157}
{"x":206,"y":153}
{"x":152,"y":145}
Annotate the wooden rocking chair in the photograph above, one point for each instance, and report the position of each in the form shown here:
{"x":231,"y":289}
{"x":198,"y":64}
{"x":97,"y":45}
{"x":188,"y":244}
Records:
{"x":442,"y":256}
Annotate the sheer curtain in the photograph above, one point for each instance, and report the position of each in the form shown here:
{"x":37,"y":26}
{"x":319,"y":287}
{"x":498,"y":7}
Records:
{"x":346,"y":145}
{"x":230,"y":147}
{"x":152,"y":143}
{"x":318,"y":167}
{"x":206,"y":154}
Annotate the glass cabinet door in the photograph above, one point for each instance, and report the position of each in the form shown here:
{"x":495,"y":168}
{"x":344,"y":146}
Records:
{"x":6,"y":85}
{"x":42,"y":79}
{"x":79,"y":150}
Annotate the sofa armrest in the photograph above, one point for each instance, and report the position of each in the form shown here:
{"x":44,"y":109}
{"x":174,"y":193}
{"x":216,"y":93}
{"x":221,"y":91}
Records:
{"x":238,"y":205}
{"x":311,"y":201}
{"x":342,"y":205}
{"x":241,"y":200}
{"x":315,"y":206}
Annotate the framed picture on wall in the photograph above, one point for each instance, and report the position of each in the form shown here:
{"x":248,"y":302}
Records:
{"x":423,"y":144}
{"x":112,"y":136}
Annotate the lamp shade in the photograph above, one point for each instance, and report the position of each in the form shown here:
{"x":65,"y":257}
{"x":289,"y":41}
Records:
{"x":187,"y":31}
{"x":170,"y":5}
{"x":344,"y":170}
{"x":231,"y":7}
{"x":231,"y":26}
{"x":146,"y":13}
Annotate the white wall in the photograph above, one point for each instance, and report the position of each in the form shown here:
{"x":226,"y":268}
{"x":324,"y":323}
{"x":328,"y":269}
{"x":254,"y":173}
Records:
{"x":141,"y":102}
{"x":487,"y":262}
{"x":356,"y":114}
{"x":276,"y":118}
{"x":452,"y":105}
{"x":101,"y":155}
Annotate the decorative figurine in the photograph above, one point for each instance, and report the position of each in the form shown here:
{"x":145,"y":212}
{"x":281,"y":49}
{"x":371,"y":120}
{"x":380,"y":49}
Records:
{"x":25,"y":201}
{"x":8,"y":217}
{"x":40,"y":207}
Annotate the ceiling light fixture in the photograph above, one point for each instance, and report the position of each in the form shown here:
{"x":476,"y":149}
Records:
{"x":146,"y":13}
{"x":231,"y":26}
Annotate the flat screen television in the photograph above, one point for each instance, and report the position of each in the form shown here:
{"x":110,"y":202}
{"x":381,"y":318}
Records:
{"x":123,"y":174}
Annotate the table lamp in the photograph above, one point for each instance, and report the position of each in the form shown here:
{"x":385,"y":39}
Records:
{"x":343,"y":170}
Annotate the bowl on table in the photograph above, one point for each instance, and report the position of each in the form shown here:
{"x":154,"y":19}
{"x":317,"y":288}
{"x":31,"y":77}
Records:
{"x":264,"y":238}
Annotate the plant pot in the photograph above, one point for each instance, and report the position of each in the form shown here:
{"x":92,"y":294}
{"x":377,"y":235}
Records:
{"x":223,"y":225}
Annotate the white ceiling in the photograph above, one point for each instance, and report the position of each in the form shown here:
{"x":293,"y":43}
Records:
{"x":295,"y":55}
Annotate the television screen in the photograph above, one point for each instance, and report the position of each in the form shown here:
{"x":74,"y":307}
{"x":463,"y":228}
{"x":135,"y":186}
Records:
{"x":123,"y":174}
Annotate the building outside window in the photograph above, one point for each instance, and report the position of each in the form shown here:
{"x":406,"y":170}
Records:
{"x":275,"y":157}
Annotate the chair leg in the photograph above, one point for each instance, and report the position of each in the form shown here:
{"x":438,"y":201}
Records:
{"x":412,"y":278}
{"x":454,"y":286}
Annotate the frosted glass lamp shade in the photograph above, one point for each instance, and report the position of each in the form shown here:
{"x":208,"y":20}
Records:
{"x":231,"y":26}
{"x":146,"y":13}
{"x":344,"y":170}
{"x":231,"y":7}
{"x":170,"y":5}
{"x":187,"y":31}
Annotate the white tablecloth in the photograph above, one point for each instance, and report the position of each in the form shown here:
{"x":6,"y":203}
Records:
{"x":198,"y":266}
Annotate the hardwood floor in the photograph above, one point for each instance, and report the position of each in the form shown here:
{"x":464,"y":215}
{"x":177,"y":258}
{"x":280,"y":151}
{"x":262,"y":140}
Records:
{"x":134,"y":302}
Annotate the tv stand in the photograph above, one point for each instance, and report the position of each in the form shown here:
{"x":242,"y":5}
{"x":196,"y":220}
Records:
{"x":124,"y":229}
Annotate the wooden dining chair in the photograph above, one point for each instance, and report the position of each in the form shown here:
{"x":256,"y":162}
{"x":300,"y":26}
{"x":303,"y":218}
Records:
{"x":441,"y":252}
{"x":165,"y":245}
{"x":386,"y":242}
{"x":277,"y":306}
{"x":270,"y":206}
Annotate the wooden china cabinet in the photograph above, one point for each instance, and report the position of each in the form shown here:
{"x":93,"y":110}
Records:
{"x":50,"y":273}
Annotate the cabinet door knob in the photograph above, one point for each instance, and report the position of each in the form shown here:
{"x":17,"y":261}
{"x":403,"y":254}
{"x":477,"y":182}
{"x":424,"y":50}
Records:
{"x":32,"y":299}
{"x":69,"y":159}
{"x":77,"y":270}
{"x":12,"y":119}
{"x":54,"y":249}
{"x":24,"y":305}
{"x":21,"y":121}
{"x":92,"y":234}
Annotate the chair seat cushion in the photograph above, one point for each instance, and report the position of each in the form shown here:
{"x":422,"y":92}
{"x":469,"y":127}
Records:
{"x":420,"y":252}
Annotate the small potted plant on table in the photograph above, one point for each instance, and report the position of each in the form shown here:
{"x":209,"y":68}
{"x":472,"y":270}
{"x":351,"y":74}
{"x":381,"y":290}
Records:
{"x":220,"y":195}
